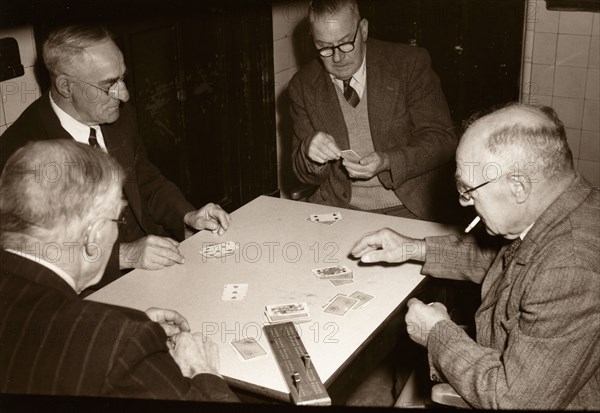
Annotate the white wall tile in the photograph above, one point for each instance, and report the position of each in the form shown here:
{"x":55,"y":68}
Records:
{"x":596,"y":25}
{"x":570,"y":81}
{"x":541,"y":100}
{"x":574,"y":138}
{"x":590,"y":145}
{"x":594,"y":61}
{"x":546,"y":21}
{"x":572,"y":50}
{"x":569,"y":110}
{"x":19,"y":93}
{"x":572,"y":22}
{"x":591,"y":115}
{"x":592,"y":88}
{"x":544,"y":48}
{"x":542,"y":79}
{"x":286,"y":17}
{"x":24,"y":37}
{"x":282,"y":54}
{"x":528,"y":46}
{"x":591,"y":170}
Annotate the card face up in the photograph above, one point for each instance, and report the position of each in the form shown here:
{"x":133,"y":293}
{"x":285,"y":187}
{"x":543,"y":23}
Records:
{"x":234,"y":292}
{"x":248,"y":348}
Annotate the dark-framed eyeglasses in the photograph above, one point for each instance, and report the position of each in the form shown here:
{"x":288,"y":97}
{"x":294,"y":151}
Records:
{"x":465,"y":194}
{"x":345,"y":47}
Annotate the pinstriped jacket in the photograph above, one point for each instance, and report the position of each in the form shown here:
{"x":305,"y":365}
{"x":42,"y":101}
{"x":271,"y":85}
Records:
{"x":53,"y":342}
{"x":538,"y":326}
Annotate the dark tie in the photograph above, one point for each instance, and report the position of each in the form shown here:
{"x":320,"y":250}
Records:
{"x":92,"y":139}
{"x":350,"y":94}
{"x":511,"y":251}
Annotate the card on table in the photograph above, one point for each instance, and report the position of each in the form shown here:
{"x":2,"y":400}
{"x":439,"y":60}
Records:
{"x":279,"y":313}
{"x":333,"y":298}
{"x":219,"y":250}
{"x":234,"y":292}
{"x":362,"y":298}
{"x":339,"y":272}
{"x":338,"y":282}
{"x":351,"y":156}
{"x":326,"y":219}
{"x":340,"y":305}
{"x":248,"y":348}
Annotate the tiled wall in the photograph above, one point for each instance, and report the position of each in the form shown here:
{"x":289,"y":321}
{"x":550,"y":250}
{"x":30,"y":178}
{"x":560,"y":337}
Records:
{"x":18,"y":93}
{"x":561,"y":69}
{"x":292,"y":49}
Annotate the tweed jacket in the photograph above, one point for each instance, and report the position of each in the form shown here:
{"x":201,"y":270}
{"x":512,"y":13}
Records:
{"x":409,"y":121}
{"x":538,"y":326}
{"x":53,"y":342}
{"x":155,"y":205}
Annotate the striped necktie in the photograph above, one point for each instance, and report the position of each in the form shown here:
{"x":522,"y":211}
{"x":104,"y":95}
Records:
{"x":350,"y":94}
{"x":92,"y":139}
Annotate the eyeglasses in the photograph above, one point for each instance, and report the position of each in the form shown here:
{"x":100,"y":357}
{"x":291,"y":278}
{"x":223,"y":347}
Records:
{"x":465,"y":194}
{"x":112,"y":89}
{"x":119,"y":221}
{"x":345,"y":47}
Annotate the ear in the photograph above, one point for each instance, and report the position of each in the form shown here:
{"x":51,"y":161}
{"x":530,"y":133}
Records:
{"x":364,"y":29}
{"x":93,"y":237}
{"x":63,"y":86}
{"x":520,"y":186}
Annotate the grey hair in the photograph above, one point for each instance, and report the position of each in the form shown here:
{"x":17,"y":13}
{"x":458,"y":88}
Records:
{"x":47,"y":185}
{"x":322,"y":8}
{"x":65,"y":47}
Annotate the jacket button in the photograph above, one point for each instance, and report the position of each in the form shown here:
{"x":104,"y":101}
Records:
{"x":345,"y":195}
{"x":434,"y":377}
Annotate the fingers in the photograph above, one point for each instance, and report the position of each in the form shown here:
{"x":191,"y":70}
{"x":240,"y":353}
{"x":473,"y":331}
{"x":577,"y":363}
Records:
{"x":367,"y":243}
{"x":211,"y":217}
{"x":159,"y":252}
{"x":368,"y":166}
{"x":163,"y":315}
{"x":323,"y":148}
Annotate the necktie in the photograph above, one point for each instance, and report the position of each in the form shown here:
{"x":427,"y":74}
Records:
{"x":511,"y":251}
{"x":350,"y":94}
{"x":92,"y":139}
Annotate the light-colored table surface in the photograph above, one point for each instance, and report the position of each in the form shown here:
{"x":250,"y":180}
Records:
{"x":277,"y":250}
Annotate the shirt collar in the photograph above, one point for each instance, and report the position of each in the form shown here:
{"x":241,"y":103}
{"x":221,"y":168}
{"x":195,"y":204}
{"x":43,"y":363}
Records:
{"x":52,"y":267}
{"x":76,"y":129}
{"x":525,"y":231}
{"x":359,"y":78}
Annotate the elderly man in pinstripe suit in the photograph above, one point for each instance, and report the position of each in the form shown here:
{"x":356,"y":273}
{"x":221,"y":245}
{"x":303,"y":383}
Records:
{"x":60,"y":203}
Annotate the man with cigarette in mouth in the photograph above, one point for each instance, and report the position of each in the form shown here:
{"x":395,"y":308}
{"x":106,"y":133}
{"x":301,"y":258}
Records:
{"x":538,"y":326}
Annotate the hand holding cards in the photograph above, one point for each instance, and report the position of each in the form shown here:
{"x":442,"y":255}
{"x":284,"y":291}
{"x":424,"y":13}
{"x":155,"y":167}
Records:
{"x":351,"y":156}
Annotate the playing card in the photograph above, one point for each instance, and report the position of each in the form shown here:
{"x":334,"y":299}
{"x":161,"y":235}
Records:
{"x":234,"y":292}
{"x":337,"y":282}
{"x":326,"y":219}
{"x":279,"y":313}
{"x":340,"y":305}
{"x":248,"y":348}
{"x":339,"y":272}
{"x":362,"y":298}
{"x":219,"y":250}
{"x":350,"y":155}
{"x":333,"y":298}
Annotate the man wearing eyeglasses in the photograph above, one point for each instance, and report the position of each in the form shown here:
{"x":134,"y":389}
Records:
{"x":538,"y":326}
{"x":87,"y":102}
{"x":381,"y":100}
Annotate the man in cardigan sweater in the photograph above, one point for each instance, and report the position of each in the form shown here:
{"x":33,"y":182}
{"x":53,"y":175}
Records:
{"x":60,"y":203}
{"x":380,"y":99}
{"x":538,"y":326}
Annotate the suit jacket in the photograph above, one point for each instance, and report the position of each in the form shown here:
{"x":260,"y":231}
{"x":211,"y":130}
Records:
{"x":538,"y":326}
{"x":53,"y":342}
{"x":155,"y":205}
{"x":408,"y":117}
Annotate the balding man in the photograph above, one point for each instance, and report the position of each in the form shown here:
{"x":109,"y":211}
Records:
{"x":538,"y":325}
{"x":60,"y":206}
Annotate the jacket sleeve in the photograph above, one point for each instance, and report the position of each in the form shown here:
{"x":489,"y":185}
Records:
{"x":432,"y":141}
{"x":143,"y":368}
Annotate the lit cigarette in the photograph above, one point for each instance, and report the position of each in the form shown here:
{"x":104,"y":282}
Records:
{"x":473,"y":223}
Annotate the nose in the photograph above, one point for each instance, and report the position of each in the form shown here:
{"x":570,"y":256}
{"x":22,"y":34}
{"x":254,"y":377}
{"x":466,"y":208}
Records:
{"x":337,"y":55}
{"x":121,"y":92}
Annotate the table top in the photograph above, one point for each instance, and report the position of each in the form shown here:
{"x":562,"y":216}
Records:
{"x":278,"y":248}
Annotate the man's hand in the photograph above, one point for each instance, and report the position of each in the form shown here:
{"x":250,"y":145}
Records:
{"x":150,"y":253}
{"x":194,"y":354}
{"x":211,"y":217}
{"x":368,"y":166}
{"x":322,"y":148}
{"x":170,"y":320}
{"x":388,"y":246}
{"x":421,"y":318}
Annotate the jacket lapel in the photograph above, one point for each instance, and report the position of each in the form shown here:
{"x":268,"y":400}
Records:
{"x":51,"y":123}
{"x":328,"y":108}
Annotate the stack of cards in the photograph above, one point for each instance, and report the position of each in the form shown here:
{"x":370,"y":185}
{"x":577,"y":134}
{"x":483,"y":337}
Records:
{"x":248,"y":348}
{"x":340,"y":304}
{"x":337,"y":274}
{"x":351,"y":156}
{"x":219,"y":250}
{"x":326,"y":219}
{"x":280,"y":313}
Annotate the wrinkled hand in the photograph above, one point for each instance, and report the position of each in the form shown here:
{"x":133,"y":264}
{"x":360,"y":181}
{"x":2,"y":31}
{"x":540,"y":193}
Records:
{"x":421,"y":318}
{"x":170,"y":320}
{"x":194,"y":354}
{"x":211,"y":217}
{"x":388,"y":246}
{"x":322,"y":148}
{"x":368,"y":166}
{"x":150,"y":253}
